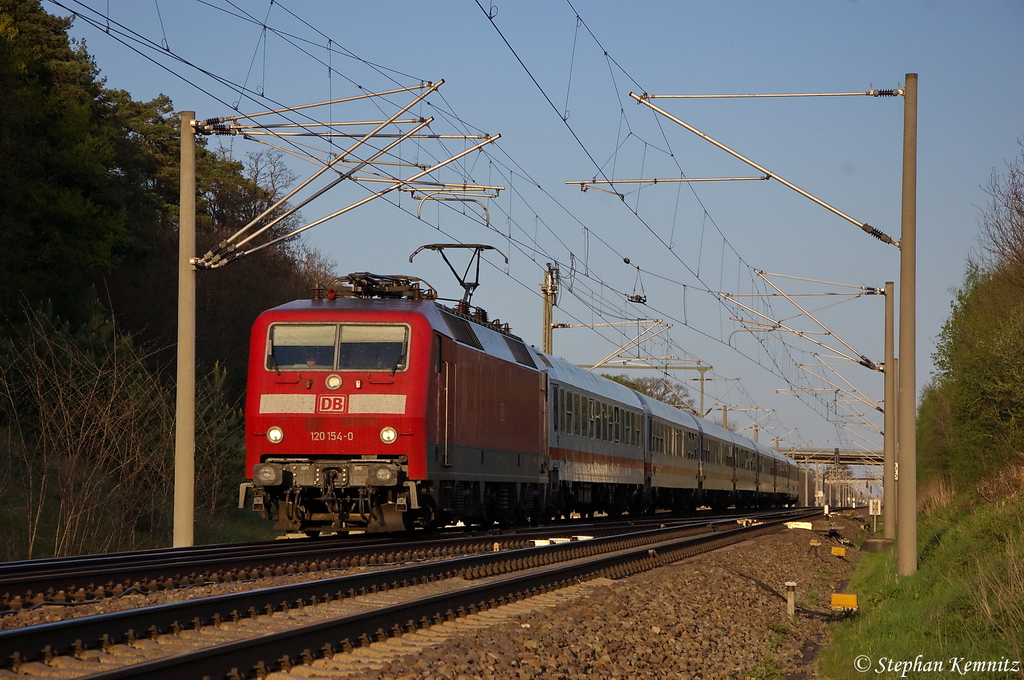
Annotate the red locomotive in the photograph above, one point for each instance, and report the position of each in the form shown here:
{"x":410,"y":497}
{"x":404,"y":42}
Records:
{"x":374,"y":407}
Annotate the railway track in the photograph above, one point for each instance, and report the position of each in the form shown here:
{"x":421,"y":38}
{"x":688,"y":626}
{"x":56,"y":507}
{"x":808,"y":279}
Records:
{"x":91,"y":578}
{"x":249,"y":634}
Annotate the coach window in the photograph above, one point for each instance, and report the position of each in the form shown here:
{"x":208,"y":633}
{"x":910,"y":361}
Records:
{"x":554,"y":409}
{"x":566,"y":412}
{"x":577,"y":412}
{"x":301,"y":347}
{"x":590,"y":418}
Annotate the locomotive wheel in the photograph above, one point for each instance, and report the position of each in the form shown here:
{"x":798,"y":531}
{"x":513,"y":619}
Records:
{"x":427,"y":516}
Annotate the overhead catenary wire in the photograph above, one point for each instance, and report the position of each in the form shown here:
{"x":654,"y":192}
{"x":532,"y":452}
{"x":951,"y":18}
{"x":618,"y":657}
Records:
{"x":526,"y":240}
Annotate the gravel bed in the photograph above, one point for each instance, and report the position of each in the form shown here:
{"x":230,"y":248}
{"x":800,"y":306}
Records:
{"x":711,"y":616}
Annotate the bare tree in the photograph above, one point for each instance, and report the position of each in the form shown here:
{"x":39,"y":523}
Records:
{"x":1002,"y":222}
{"x":671,"y":392}
{"x":88,"y":427}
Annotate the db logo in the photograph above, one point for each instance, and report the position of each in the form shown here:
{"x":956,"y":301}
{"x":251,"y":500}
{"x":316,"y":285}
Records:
{"x":331,"y":403}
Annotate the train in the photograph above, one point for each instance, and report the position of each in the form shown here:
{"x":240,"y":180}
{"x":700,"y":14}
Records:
{"x":373,"y":407}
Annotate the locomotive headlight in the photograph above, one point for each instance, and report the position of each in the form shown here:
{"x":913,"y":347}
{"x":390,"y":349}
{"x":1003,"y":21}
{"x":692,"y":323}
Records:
{"x":333,"y":381}
{"x":388,"y":435}
{"x":275,"y":435}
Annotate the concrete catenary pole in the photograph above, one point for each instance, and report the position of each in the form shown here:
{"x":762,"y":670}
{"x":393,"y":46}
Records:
{"x":906,"y":522}
{"x":889,"y":423}
{"x":185,"y":413}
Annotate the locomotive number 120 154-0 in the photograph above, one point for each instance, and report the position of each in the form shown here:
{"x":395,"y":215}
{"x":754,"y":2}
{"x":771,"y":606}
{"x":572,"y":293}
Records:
{"x":332,"y":436}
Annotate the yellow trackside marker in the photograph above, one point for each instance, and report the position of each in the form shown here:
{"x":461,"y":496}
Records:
{"x":839,"y":552}
{"x":844,"y":602}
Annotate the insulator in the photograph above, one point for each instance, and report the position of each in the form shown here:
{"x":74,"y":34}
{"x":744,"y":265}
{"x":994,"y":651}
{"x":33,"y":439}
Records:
{"x":880,"y":235}
{"x":886,"y":93}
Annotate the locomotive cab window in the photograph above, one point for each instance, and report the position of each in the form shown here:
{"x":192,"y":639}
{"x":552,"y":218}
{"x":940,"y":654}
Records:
{"x":301,"y":347}
{"x":372,"y":348}
{"x":344,"y":347}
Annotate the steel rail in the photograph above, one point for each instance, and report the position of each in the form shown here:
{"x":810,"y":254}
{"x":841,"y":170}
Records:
{"x":67,"y":636}
{"x":119,"y":570}
{"x":235,"y":659}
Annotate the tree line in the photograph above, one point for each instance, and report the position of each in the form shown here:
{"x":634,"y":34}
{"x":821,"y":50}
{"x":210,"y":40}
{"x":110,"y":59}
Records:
{"x":88,"y":226}
{"x":971,"y":416}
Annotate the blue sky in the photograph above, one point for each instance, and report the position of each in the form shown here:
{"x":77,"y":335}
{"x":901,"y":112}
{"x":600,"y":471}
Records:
{"x":554,"y":80}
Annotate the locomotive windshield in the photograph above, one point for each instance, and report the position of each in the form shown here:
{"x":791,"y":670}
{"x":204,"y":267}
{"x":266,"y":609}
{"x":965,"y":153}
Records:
{"x":341,"y":347}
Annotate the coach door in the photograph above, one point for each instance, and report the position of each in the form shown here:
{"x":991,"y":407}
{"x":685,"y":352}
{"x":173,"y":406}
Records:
{"x":701,"y":456}
{"x":448,"y":374}
{"x":451,"y":381}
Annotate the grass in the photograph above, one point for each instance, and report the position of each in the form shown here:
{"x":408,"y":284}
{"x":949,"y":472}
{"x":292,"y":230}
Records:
{"x":966,"y":599}
{"x":766,"y":669}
